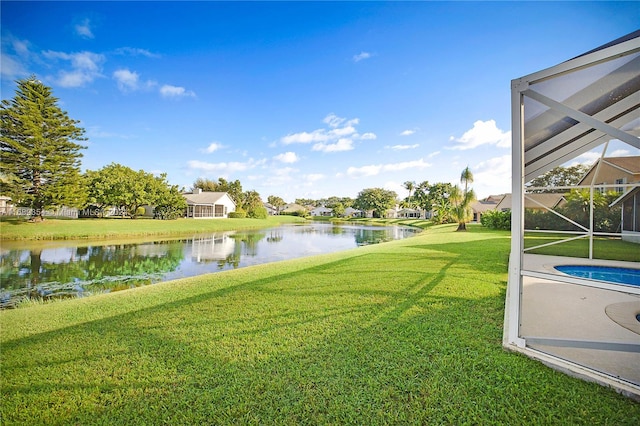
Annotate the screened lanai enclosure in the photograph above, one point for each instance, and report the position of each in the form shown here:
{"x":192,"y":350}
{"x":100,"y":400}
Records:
{"x":561,"y":310}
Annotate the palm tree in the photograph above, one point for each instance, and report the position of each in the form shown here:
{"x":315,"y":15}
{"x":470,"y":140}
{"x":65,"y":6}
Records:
{"x":466,"y":177}
{"x":462,"y":200}
{"x":409,"y":186}
{"x":578,"y":205}
{"x":442,"y":208}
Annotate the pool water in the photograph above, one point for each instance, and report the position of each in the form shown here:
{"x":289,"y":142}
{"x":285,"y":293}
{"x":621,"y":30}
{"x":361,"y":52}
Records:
{"x":628,"y":276}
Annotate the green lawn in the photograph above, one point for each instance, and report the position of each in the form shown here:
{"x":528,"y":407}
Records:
{"x":406,"y":332}
{"x":603,"y":248}
{"x":55,"y":229}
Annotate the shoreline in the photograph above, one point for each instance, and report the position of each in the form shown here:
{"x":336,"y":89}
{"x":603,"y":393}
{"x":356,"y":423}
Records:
{"x":12,"y":229}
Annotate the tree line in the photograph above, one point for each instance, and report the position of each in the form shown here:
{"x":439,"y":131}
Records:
{"x":40,"y":168}
{"x":41,"y":151}
{"x":576,"y":206}
{"x":447,"y":202}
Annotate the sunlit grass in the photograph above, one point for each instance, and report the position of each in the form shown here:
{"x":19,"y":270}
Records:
{"x":603,"y":248}
{"x":406,"y":332}
{"x":51,"y":229}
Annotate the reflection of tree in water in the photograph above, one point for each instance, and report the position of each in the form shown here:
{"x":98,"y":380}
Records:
{"x":86,"y":269}
{"x":275,"y":236}
{"x":133,"y":260}
{"x":25,"y":269}
{"x":337,"y":230}
{"x":369,"y":236}
{"x":232,"y":259}
{"x":249,"y":241}
{"x":9,"y":269}
{"x":246,"y":244}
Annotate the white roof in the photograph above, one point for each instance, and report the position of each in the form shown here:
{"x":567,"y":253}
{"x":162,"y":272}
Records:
{"x":205,"y":197}
{"x":579,"y":104}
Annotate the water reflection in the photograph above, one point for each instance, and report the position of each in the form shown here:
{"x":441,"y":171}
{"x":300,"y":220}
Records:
{"x":40,"y":272}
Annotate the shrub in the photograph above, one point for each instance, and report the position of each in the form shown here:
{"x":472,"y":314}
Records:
{"x":496,"y":220}
{"x":238,"y":214}
{"x":168,"y":212}
{"x":605,"y":220}
{"x":257,"y":213}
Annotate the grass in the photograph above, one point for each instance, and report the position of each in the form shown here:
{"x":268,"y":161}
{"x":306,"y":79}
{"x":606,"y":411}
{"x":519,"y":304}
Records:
{"x":603,"y":248}
{"x":66,"y":229}
{"x":406,"y":332}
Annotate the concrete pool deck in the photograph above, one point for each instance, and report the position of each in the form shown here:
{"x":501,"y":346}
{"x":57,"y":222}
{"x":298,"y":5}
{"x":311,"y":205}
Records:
{"x":593,"y":327}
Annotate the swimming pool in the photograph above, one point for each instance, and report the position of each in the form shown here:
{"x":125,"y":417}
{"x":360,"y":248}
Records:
{"x":628,"y":276}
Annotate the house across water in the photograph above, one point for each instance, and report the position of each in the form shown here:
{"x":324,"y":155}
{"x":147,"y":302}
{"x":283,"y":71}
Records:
{"x":208,"y":205}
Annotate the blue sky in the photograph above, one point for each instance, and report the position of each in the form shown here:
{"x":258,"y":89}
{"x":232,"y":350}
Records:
{"x":300,"y":99}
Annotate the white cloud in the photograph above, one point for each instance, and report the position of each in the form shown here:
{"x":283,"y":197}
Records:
{"x":342,"y":131}
{"x":483,"y":133}
{"x":403,"y":147}
{"x":590,"y":158}
{"x":587,"y":158}
{"x":373,"y":170}
{"x":21,"y":47}
{"x":364,"y":171}
{"x":169,"y":91}
{"x":305,"y":137}
{"x":14,"y":57}
{"x":283,"y":171}
{"x":361,"y":56}
{"x":277,"y":178}
{"x":11,"y":68}
{"x":287,"y":157}
{"x":224,"y":167}
{"x":333,"y":120}
{"x":339,"y":135}
{"x":83,"y":29}
{"x":130,"y":81}
{"x":74,"y":78}
{"x":255,"y":177}
{"x":416,"y":164}
{"x":134,"y":51}
{"x":313,"y":177}
{"x":343,"y":144}
{"x":213,"y":146}
{"x":85,"y":67}
{"x":492,"y":175}
{"x":619,"y":153}
{"x":407,"y":133}
{"x":127,"y":80}
{"x":368,"y":136}
{"x":396,"y":187}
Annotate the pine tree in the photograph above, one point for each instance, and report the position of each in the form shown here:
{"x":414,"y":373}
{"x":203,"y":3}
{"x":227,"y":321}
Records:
{"x":40,"y":158}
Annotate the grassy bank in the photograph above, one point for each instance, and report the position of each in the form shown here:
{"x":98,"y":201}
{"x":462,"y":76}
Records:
{"x":61,"y":229}
{"x":406,"y":332}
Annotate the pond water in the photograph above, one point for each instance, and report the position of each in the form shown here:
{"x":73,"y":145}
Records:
{"x":77,"y":269}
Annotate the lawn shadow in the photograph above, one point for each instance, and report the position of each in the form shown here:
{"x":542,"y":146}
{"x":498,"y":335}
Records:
{"x":371,"y":338}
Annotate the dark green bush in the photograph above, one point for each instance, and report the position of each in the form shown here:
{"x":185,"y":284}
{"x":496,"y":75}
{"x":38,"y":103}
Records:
{"x":257,"y":213}
{"x":605,"y":218}
{"x":299,"y":213}
{"x":496,"y":220}
{"x":168,"y":212}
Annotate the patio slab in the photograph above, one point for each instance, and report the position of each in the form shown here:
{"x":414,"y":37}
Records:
{"x":589,"y":326}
